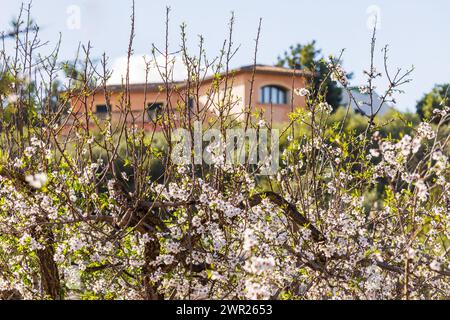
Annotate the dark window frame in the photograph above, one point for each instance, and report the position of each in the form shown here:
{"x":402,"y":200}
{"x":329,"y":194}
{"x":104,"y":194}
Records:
{"x":104,"y":108}
{"x":102,"y":111}
{"x":273,"y":94}
{"x":191,"y":103}
{"x":154,"y":110}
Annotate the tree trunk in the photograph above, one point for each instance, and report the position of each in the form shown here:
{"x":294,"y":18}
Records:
{"x":151,"y":251}
{"x":50,"y":280}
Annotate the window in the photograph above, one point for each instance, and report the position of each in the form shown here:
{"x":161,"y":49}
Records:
{"x":101,"y":108}
{"x":154,"y":111}
{"x":191,"y":103}
{"x":101,"y":111}
{"x":273,"y":94}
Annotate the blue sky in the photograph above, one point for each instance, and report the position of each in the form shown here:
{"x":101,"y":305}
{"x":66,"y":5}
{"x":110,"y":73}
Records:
{"x":416,"y":31}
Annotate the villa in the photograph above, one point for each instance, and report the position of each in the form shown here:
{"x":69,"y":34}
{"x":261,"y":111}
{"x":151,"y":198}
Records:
{"x":265,"y":88}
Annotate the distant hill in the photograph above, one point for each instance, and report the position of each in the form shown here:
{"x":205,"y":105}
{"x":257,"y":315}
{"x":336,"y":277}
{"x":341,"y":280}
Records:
{"x":363,"y":100}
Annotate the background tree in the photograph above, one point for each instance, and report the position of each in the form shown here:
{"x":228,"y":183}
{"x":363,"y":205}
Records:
{"x":435,"y":99}
{"x":17,"y":28}
{"x":308,"y":57}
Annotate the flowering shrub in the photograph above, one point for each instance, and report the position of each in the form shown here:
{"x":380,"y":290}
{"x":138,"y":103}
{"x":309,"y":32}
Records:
{"x":348,"y":216}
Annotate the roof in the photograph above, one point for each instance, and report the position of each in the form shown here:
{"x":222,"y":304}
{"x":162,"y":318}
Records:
{"x":151,"y":86}
{"x":272,"y":69}
{"x":259,"y":68}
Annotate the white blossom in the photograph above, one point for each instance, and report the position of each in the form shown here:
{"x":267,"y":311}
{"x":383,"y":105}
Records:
{"x":37,"y":180}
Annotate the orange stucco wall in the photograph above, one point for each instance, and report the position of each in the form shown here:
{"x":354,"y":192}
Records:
{"x":277,"y":112}
{"x":241,"y":88}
